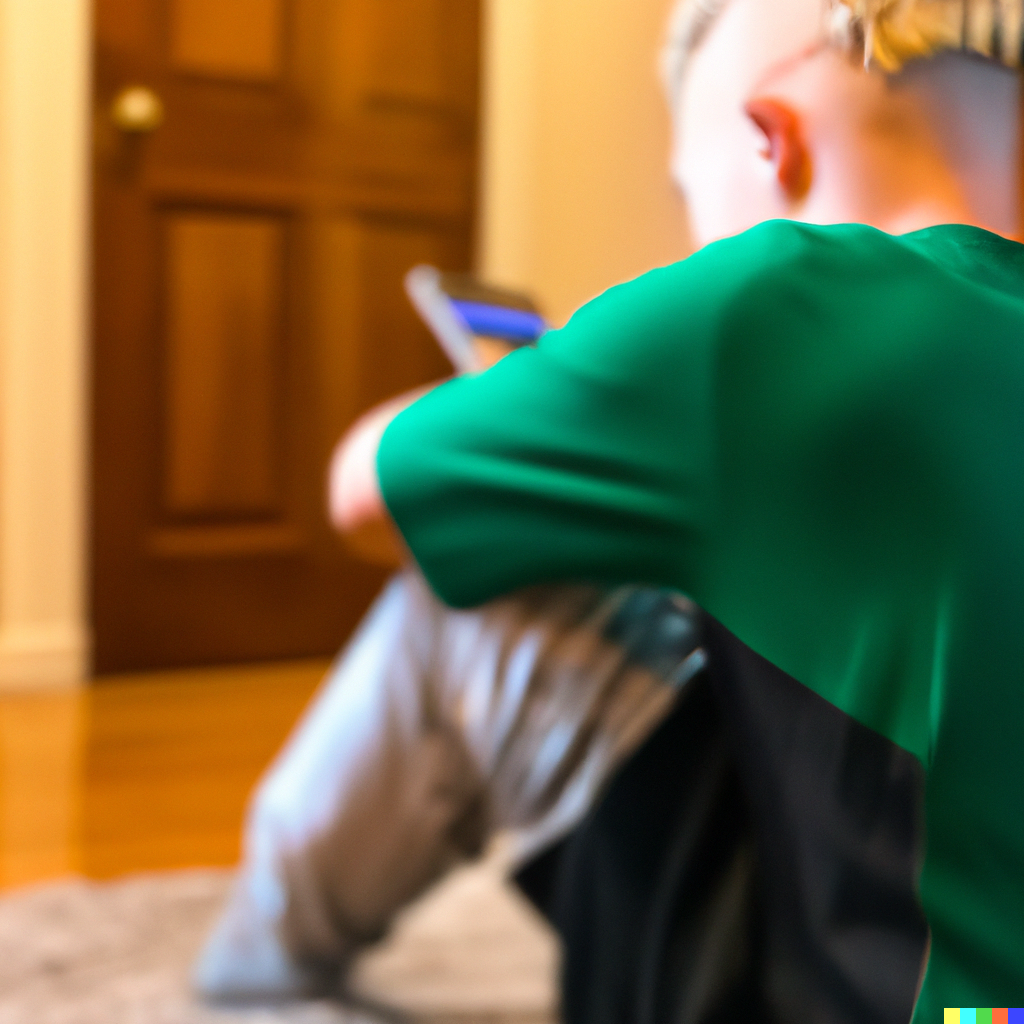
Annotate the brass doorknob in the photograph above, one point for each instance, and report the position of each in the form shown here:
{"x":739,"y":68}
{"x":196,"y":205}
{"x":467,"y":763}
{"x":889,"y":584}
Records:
{"x":137,"y":109}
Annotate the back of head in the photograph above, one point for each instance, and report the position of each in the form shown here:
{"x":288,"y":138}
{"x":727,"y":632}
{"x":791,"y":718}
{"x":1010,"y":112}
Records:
{"x":891,"y":33}
{"x":905,"y":111}
{"x":881,"y":33}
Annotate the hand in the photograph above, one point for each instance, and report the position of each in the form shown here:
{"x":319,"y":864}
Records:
{"x":489,"y":351}
{"x":354,"y":501}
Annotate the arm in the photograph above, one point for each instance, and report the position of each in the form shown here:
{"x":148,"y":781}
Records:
{"x":355,"y":505}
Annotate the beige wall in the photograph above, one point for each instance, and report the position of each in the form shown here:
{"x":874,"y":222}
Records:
{"x":576,"y":195}
{"x":43,"y":110}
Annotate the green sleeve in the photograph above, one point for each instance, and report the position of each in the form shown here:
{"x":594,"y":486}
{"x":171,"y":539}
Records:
{"x":584,"y":458}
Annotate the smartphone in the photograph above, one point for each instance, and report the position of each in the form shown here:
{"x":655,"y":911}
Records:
{"x":472,"y":321}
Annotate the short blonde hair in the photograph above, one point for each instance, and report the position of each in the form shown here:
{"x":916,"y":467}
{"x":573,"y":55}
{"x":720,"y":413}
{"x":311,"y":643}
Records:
{"x":883,"y":33}
{"x":889,"y":33}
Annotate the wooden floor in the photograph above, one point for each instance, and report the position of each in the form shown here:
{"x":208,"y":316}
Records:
{"x":142,"y":772}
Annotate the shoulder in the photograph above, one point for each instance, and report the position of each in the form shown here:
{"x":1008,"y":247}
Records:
{"x":782,"y":258}
{"x":767,"y":256}
{"x":771,"y":270}
{"x":781,"y":287}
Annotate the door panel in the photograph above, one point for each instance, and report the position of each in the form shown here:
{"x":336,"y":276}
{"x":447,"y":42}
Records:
{"x":241,"y":39}
{"x":223,"y":312}
{"x":248,"y":301}
{"x":399,"y":58}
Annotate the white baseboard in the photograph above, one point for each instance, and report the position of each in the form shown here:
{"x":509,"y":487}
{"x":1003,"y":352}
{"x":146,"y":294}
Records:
{"x":43,"y":656}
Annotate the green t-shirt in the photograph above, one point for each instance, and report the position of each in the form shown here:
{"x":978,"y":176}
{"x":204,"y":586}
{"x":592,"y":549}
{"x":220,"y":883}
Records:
{"x":818,"y":434}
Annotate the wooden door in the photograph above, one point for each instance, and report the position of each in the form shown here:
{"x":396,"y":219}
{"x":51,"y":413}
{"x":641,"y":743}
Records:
{"x":248,"y":305}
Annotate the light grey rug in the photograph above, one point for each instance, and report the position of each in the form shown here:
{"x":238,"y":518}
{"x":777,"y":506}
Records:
{"x":470,"y":952}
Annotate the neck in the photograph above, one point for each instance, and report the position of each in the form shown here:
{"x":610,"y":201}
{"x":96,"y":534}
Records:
{"x":939,"y":143}
{"x":972,"y":109}
{"x":897,"y":200}
{"x":909,"y":189}
{"x":916,"y":216}
{"x":990,"y":201}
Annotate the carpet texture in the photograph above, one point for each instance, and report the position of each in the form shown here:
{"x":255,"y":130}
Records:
{"x":470,"y":952}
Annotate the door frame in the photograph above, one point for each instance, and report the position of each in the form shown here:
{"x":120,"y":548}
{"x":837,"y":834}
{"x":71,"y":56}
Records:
{"x":45,"y":83}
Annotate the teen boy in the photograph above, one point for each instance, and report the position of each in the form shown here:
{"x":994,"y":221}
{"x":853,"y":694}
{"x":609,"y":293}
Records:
{"x":812,"y":428}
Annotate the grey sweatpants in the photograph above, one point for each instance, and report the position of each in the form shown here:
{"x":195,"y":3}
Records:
{"x":435,"y":729}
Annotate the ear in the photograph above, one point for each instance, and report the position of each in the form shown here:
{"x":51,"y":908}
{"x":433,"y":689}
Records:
{"x":784,"y":144}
